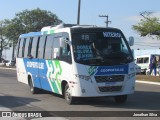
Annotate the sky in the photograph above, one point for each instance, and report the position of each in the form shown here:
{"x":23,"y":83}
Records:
{"x":122,"y":14}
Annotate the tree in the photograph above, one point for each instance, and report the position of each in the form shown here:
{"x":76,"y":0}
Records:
{"x":3,"y":39}
{"x":29,"y":21}
{"x":148,"y":25}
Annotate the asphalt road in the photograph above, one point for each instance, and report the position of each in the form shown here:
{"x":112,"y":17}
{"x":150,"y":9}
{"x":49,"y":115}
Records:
{"x":16,"y":96}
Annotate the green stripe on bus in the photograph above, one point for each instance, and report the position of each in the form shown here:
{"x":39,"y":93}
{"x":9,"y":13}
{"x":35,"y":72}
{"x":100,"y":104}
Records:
{"x":51,"y":31}
{"x":45,"y":32}
{"x":50,"y":63}
{"x":54,"y":86}
{"x":58,"y":66}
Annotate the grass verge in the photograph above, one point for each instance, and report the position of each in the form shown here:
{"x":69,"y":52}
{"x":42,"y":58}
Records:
{"x":148,"y":78}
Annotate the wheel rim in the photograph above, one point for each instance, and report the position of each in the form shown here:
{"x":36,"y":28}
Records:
{"x":68,"y":94}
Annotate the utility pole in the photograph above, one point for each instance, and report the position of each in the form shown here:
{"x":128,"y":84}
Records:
{"x":107,"y":21}
{"x":79,"y":10}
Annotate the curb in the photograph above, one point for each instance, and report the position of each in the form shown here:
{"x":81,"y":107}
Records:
{"x":7,"y":68}
{"x":137,"y":81}
{"x":146,"y":82}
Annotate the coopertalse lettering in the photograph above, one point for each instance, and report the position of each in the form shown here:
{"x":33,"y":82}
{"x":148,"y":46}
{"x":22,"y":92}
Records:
{"x":113,"y":70}
{"x":35,"y":65}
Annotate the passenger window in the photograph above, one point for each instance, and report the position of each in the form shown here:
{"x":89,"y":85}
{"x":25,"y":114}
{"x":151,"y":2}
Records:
{"x":146,"y":60}
{"x":48,"y":47}
{"x":61,"y":51}
{"x":26,"y":48}
{"x":18,"y":46}
{"x":139,"y":60}
{"x":34,"y":47}
{"x":56,"y":49}
{"x":66,"y":53}
{"x":41,"y":47}
{"x":30,"y":47}
{"x":21,"y":48}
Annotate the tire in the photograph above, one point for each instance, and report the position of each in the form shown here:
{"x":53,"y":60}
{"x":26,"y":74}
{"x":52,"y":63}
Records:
{"x":33,"y":89}
{"x":67,"y":95}
{"x":147,"y":73}
{"x":120,"y":99}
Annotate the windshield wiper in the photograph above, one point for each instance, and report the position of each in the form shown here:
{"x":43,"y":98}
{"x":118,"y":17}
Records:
{"x":92,"y":61}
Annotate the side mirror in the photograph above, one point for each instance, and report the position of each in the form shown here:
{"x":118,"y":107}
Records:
{"x":131,"y":41}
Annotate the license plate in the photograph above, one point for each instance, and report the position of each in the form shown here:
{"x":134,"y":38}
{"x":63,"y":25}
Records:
{"x":110,"y":83}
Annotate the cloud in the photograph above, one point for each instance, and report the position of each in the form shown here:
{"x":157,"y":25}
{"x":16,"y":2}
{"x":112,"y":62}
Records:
{"x":139,"y":17}
{"x":156,"y":14}
{"x":134,"y":18}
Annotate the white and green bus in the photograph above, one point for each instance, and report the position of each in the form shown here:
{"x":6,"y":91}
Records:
{"x":77,"y":61}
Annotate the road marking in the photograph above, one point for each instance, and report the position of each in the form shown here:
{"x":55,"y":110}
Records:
{"x":146,"y":82}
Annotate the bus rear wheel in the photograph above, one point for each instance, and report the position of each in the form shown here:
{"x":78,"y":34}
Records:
{"x":33,"y":89}
{"x":68,"y":96}
{"x":120,"y":98}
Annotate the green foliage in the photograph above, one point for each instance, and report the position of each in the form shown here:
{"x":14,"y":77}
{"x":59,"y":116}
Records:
{"x":147,"y":26}
{"x":24,"y":22}
{"x":30,"y":21}
{"x":4,"y":41}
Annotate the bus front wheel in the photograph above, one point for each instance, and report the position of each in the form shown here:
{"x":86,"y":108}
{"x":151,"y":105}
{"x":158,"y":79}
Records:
{"x":68,"y":96}
{"x":120,"y":98}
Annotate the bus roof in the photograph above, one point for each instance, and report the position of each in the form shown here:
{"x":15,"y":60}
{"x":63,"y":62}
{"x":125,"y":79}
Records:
{"x":31,"y":34}
{"x":51,"y":29}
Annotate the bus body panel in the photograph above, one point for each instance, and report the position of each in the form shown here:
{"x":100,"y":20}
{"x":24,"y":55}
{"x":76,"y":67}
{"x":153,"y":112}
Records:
{"x":53,"y":72}
{"x":87,"y":85}
{"x":34,"y":73}
{"x":46,"y":74}
{"x":21,"y":71}
{"x":83,"y":80}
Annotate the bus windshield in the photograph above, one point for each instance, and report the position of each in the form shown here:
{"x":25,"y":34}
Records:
{"x":101,"y":48}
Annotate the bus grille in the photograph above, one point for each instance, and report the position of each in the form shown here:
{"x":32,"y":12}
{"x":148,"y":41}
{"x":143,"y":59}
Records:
{"x":113,"y":78}
{"x":110,"y":88}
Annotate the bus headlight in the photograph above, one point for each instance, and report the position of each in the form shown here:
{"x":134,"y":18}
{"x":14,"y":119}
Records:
{"x":131,"y":75}
{"x":84,"y":77}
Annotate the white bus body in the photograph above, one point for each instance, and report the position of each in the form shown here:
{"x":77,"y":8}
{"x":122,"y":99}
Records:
{"x":69,"y":61}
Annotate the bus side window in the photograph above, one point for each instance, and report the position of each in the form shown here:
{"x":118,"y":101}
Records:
{"x":18,"y":46}
{"x":26,"y":48}
{"x":34,"y":47}
{"x":139,"y":60}
{"x":48,"y":47}
{"x":66,"y":53}
{"x":29,"y":48}
{"x":41,"y":47}
{"x":21,"y":47}
{"x":61,"y":51}
{"x":146,"y":60}
{"x":56,"y":49}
